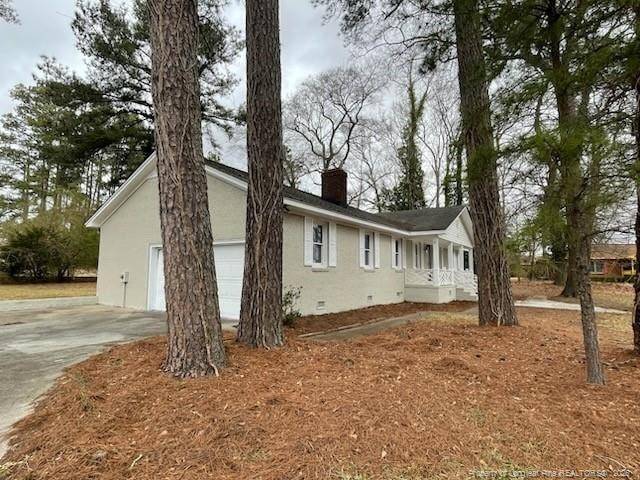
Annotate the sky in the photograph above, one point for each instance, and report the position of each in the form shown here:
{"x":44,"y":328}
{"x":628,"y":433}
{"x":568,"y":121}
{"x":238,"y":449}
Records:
{"x":308,"y":45}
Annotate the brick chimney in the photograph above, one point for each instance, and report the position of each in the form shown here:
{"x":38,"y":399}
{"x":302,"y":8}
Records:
{"x":334,"y":186}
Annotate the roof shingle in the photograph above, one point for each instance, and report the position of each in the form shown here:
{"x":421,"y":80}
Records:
{"x":412,"y":220}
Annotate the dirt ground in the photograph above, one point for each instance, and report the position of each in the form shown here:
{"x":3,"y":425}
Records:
{"x":437,"y":399}
{"x":607,"y":295}
{"x":330,"y":321}
{"x":28,"y":291}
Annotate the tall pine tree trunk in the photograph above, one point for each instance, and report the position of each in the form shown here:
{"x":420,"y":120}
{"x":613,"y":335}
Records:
{"x":636,"y":173}
{"x":495,"y":300}
{"x":194,"y":345}
{"x":595,"y":371}
{"x":459,"y":168}
{"x":261,"y":306}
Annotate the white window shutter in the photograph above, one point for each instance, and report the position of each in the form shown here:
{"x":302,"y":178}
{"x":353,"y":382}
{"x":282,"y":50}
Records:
{"x":361,"y":234}
{"x":404,"y":254}
{"x":308,"y":241}
{"x":376,"y":248}
{"x":333,"y":250}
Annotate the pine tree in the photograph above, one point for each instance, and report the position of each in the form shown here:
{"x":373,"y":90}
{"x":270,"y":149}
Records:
{"x":495,"y":301}
{"x":194,"y":343}
{"x":261,"y":312}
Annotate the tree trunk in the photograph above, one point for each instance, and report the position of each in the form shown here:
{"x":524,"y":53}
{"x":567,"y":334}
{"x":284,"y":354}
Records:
{"x":570,"y":288}
{"x":459,"y":168}
{"x":571,"y":143}
{"x":495,"y":301}
{"x":261,"y":307}
{"x":636,"y":284}
{"x":194,"y":344}
{"x":595,"y":372}
{"x":636,"y":173}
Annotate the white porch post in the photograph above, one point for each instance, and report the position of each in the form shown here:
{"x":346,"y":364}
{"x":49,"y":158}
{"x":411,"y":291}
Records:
{"x":435,"y":252}
{"x":471,"y":260}
{"x":450,"y":256}
{"x":460,"y":258}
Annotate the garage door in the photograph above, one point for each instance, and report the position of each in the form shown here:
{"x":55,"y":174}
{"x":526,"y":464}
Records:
{"x":229,"y":267}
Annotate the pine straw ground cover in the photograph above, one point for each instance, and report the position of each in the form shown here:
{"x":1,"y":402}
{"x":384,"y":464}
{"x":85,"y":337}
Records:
{"x":429,"y":400}
{"x":331,"y":321}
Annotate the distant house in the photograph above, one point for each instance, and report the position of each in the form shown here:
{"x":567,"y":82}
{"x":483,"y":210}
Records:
{"x":613,"y":260}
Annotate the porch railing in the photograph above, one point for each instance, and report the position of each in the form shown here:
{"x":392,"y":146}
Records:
{"x":467,"y":280}
{"x":419,"y":277}
{"x":427,"y":276}
{"x":463,"y":279}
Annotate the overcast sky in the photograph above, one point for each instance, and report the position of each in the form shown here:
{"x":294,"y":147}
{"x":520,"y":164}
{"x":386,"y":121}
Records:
{"x":308,"y":45}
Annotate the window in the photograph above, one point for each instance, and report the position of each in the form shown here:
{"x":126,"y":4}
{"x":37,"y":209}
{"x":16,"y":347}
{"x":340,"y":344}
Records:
{"x":597,"y":266}
{"x":417,"y":255}
{"x":465,"y":260}
{"x":397,"y":253}
{"x":319,"y":244}
{"x":368,"y":249}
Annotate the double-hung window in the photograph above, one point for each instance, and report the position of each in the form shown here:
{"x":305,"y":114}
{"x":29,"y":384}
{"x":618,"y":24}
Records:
{"x":466,"y":260}
{"x":368,"y":249}
{"x":397,"y":253}
{"x":319,"y":244}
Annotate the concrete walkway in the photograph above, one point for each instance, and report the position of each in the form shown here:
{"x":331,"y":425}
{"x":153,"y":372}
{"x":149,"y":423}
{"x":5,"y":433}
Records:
{"x":556,"y":305}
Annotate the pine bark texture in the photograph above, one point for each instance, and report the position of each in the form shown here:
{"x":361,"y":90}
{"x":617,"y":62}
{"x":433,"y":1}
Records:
{"x":261,"y":307}
{"x":636,"y":172}
{"x":194,"y":345}
{"x":595,"y":371}
{"x":495,"y":300}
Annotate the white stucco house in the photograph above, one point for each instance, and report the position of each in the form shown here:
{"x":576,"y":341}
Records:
{"x":342,"y":257}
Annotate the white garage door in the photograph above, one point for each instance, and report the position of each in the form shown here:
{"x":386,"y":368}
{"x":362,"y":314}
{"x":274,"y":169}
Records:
{"x":229,"y":267}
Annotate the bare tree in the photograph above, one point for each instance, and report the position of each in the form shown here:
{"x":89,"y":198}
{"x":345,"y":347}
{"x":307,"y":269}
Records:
{"x":194,"y":344}
{"x":328,"y":111}
{"x":375,"y":153}
{"x":495,"y":300}
{"x":439,"y":136}
{"x":261,"y":306}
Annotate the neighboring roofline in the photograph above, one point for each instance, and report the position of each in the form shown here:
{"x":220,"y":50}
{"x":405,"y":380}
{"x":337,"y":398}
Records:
{"x":142,"y":172}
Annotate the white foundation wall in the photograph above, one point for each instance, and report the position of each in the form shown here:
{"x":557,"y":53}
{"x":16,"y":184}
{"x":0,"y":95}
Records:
{"x":422,"y":294}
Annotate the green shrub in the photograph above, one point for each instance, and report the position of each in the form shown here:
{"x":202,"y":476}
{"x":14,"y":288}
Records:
{"x":45,"y":248}
{"x":290,"y":312}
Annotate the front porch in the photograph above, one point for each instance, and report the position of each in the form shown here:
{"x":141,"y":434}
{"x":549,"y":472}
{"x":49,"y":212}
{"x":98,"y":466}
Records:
{"x":439,"y":270}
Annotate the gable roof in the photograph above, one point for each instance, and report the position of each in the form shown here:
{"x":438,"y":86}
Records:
{"x":405,"y":222}
{"x":613,"y":251}
{"x":316,"y":201}
{"x":426,"y":218}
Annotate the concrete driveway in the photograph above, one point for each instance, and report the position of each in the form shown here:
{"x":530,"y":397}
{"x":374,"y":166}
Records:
{"x":35,"y":346}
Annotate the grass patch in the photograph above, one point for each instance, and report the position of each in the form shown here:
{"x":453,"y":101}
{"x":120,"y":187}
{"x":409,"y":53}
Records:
{"x":30,"y":291}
